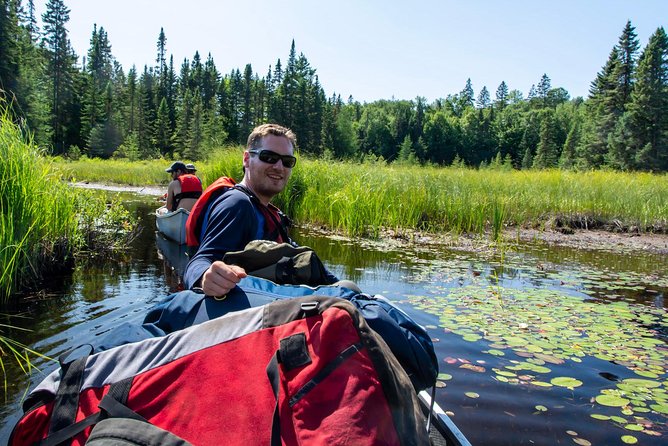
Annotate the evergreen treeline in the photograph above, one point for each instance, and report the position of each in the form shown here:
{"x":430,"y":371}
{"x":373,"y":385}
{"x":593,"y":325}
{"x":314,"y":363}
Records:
{"x":97,"y":109}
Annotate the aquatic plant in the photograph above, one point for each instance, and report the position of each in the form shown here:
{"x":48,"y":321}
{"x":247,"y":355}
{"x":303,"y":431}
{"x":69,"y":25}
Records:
{"x":535,"y":335}
{"x":44,"y":223}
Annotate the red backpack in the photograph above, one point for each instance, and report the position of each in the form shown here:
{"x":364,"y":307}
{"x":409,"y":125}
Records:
{"x":301,"y":371}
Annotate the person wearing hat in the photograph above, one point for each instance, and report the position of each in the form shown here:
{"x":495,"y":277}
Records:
{"x":184,"y":189}
{"x":190,"y":168}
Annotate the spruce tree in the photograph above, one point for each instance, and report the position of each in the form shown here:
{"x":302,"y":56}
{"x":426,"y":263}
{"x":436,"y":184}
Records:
{"x":544,"y":86}
{"x":567,"y":160}
{"x":502,"y":95}
{"x":546,"y":152}
{"x":163,"y":131}
{"x":61,"y":62}
{"x":527,"y":159}
{"x":604,"y":111}
{"x":466,"y":96}
{"x":483,"y":98}
{"x":9,"y":50}
{"x":628,"y":47}
{"x":648,"y":110}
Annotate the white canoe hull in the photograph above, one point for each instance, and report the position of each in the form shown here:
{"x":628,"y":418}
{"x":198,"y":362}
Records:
{"x":172,"y":224}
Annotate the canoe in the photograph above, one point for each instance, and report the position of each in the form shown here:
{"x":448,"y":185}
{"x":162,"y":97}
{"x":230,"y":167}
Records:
{"x":442,"y":430}
{"x":174,"y":255}
{"x":172,"y":224}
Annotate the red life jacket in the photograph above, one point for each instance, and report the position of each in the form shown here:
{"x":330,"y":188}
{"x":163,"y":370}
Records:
{"x":191,"y":187}
{"x":274,"y":219}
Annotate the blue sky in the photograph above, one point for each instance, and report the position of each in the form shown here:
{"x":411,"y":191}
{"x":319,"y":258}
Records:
{"x":379,"y":49}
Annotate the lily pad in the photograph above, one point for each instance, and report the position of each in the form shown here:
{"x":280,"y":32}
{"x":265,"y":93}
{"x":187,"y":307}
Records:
{"x":661,"y":408}
{"x":564,"y":381}
{"x":612,"y":400}
{"x":645,"y":383}
{"x":541,"y":408}
{"x":629,"y":439}
{"x":444,"y":377}
{"x":472,"y":395}
{"x":597,"y":416}
{"x":634,"y":427}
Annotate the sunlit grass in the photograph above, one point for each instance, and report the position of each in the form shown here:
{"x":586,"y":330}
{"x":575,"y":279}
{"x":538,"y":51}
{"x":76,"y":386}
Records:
{"x":363,"y":199}
{"x":43,"y":221}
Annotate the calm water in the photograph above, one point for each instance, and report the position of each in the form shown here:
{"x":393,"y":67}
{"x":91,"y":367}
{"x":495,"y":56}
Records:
{"x":504,"y":327}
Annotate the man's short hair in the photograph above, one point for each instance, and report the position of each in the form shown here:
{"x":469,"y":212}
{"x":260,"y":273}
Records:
{"x":259,"y":132}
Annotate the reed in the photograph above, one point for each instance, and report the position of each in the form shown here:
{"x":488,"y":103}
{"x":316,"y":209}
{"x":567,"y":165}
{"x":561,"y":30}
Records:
{"x":43,"y":221}
{"x":366,"y":198}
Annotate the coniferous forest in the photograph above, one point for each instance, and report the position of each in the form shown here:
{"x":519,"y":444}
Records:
{"x":76,"y":105}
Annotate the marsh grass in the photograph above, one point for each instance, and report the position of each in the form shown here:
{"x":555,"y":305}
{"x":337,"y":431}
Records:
{"x":367,"y":198}
{"x":44,"y":222}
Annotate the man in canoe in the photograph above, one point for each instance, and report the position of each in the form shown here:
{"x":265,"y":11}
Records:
{"x":244,"y":213}
{"x":184,"y":189}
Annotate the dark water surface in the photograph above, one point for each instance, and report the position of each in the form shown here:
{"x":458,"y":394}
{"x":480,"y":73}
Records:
{"x":530,"y":344}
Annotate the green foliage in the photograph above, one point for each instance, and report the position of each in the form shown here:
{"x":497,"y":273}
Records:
{"x":158,"y":113}
{"x":43,"y":222}
{"x":364,"y":199}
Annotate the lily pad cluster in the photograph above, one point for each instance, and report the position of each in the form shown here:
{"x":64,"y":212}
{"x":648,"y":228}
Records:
{"x":533,"y":330}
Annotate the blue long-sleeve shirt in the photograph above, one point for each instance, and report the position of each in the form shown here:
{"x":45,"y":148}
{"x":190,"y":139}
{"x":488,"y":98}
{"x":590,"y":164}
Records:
{"x":233,"y":221}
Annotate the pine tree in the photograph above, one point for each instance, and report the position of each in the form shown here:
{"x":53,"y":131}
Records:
{"x":648,"y":110}
{"x":543,"y":89}
{"x":183,"y":122}
{"x":247,"y":111}
{"x":628,"y":47}
{"x":146,"y":115}
{"x":483,"y":98}
{"x":466,"y":96}
{"x":527,"y":160}
{"x":9,"y":50}
{"x":604,"y":110}
{"x":132,"y":99}
{"x":163,"y":131}
{"x":99,"y":70}
{"x":406,"y":152}
{"x":546,"y":152}
{"x":161,"y":60}
{"x":567,"y":159}
{"x":502,"y":95}
{"x":620,"y":151}
{"x":61,"y":67}
{"x":193,"y":149}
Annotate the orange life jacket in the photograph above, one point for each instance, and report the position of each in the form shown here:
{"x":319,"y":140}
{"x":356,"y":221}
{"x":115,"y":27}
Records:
{"x":191,"y":187}
{"x":274,"y":219}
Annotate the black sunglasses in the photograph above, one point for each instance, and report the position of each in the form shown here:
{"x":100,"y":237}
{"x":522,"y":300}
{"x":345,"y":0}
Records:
{"x":267,"y":156}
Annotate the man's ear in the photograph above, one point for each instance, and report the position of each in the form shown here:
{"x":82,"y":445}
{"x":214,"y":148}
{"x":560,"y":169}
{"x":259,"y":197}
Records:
{"x":246,"y":159}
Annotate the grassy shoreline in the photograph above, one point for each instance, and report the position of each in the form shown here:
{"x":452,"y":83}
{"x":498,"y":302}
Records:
{"x":44,"y":223}
{"x":366,"y":199}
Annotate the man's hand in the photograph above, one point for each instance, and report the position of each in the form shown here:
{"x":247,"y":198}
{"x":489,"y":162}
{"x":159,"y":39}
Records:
{"x":220,"y":278}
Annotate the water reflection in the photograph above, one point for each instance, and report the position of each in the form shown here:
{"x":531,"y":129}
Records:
{"x":98,"y":296}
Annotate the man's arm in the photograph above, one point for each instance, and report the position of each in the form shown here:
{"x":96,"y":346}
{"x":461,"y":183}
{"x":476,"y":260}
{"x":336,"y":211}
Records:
{"x":231,"y":225}
{"x":170,"y":194}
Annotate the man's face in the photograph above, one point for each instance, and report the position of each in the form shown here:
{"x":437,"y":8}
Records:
{"x":265,"y":179}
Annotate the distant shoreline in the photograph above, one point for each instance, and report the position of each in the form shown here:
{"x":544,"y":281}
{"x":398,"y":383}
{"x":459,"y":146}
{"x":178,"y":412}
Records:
{"x":580,"y":238}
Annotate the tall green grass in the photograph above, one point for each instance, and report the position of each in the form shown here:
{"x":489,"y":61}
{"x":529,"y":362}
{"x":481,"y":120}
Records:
{"x":363,"y":199}
{"x":43,"y":221}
